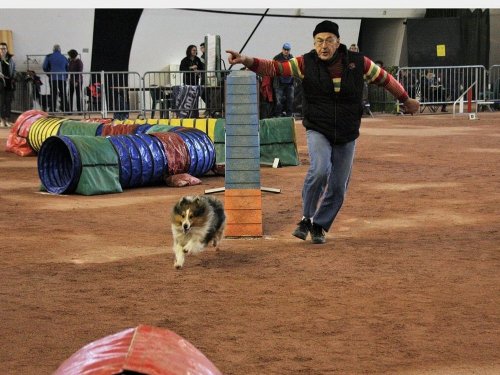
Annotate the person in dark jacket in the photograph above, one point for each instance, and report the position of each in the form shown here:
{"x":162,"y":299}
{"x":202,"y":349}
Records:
{"x":56,"y":65}
{"x":284,"y":90}
{"x":332,"y":80}
{"x":192,"y":66}
{"x":7,"y":84}
{"x":75,"y":67}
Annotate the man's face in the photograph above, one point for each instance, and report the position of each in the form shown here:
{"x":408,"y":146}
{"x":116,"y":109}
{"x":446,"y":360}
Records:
{"x":325,"y":45}
{"x":286,"y":52}
{"x":3,"y":50}
{"x":202,"y":49}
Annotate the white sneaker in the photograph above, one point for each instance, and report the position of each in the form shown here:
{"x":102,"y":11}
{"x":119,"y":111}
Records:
{"x":9,"y":124}
{"x":3,"y":123}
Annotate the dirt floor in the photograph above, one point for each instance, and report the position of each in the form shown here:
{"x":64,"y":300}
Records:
{"x":407,"y":283}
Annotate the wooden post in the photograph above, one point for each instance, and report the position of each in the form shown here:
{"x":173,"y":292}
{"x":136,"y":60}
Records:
{"x":243,"y":197}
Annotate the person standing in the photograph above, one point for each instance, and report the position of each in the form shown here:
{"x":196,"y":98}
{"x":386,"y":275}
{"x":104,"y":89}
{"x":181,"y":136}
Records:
{"x":283,"y":86}
{"x":57,"y":66}
{"x":202,"y":49}
{"x":192,"y":66}
{"x":75,"y":67}
{"x":7,"y":84}
{"x":332,"y":80}
{"x":204,"y":90}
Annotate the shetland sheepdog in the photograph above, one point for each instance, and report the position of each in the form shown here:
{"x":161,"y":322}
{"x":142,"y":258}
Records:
{"x":196,"y":221}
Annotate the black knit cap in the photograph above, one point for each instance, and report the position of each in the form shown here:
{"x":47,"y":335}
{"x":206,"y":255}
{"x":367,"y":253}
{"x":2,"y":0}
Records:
{"x":327,"y":27}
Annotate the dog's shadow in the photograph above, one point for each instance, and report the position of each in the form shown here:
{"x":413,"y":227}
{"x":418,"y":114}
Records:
{"x":225,"y":259}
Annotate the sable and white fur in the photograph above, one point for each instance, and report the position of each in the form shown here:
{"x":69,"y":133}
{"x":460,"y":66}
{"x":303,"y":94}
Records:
{"x":196,"y":221}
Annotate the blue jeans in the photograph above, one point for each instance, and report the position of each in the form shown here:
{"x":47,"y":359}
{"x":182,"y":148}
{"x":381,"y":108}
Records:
{"x":327,"y":179}
{"x":284,"y":97}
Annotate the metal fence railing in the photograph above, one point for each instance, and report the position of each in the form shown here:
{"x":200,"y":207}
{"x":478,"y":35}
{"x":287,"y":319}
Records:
{"x":118,"y":94}
{"x":84,"y":93}
{"x":184,"y":94}
{"x":439,"y":86}
{"x":175,"y":93}
{"x":493,"y":84}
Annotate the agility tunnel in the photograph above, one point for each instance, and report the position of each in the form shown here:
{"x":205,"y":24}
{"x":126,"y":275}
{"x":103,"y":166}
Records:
{"x":100,"y":165}
{"x":17,"y":141}
{"x":145,"y":350}
{"x":142,"y":160}
{"x":206,"y":125}
{"x":79,"y":164}
{"x":33,"y":127}
{"x":74,"y":127}
{"x":277,"y":135}
{"x":42,"y":129}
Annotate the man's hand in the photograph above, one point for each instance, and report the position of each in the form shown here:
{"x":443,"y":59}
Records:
{"x":411,"y":105}
{"x":237,"y":58}
{"x":234,"y":57}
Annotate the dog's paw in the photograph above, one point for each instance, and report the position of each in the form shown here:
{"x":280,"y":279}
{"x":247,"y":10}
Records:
{"x":193,"y":247}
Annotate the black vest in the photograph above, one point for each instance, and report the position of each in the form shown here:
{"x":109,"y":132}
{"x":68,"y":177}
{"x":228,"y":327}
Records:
{"x":336,"y":115}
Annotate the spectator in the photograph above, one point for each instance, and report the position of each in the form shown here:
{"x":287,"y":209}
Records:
{"x":332,"y":80}
{"x":75,"y":67}
{"x":202,"y":49}
{"x":36,"y":84}
{"x":354,"y":48}
{"x":57,"y":66}
{"x":191,"y":65}
{"x":7,"y":84}
{"x":283,"y":86}
{"x":431,"y":90}
{"x":407,"y":80}
{"x":204,"y":90}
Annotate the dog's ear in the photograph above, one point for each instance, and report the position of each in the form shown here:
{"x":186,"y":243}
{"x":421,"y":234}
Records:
{"x":200,"y":206}
{"x":181,"y":204}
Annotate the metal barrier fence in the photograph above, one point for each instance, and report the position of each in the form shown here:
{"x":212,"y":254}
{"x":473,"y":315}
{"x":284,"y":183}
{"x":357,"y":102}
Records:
{"x":492,"y":92}
{"x":184,"y":94}
{"x":117,"y":94}
{"x":380,"y":100}
{"x":85,"y":93}
{"x":181,"y":94}
{"x":439,"y":86}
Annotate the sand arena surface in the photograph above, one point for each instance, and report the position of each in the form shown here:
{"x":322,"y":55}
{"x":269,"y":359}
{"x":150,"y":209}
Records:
{"x":407,"y":283}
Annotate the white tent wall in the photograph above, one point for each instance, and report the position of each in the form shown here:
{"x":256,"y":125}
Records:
{"x":35,"y":31}
{"x":173,"y":30}
{"x":162,"y":35}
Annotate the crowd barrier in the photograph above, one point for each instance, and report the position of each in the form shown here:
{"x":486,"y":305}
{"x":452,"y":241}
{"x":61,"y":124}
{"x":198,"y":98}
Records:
{"x":120,"y":94}
{"x":164,"y":95}
{"x":492,"y":92}
{"x":441,"y":85}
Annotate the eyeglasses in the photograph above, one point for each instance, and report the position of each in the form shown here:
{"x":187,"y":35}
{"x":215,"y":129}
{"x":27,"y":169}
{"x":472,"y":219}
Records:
{"x":327,"y":42}
{"x":3,"y":47}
